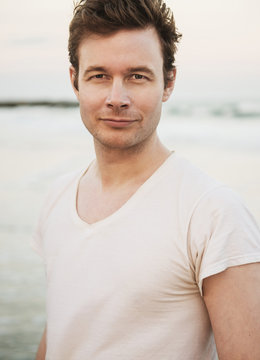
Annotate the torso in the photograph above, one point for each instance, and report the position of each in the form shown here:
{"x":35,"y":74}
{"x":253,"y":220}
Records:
{"x":125,"y":285}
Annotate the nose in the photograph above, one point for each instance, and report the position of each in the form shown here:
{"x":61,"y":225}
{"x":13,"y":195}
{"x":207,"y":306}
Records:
{"x":117,"y":97}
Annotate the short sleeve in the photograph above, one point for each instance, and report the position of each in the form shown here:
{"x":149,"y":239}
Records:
{"x":54,"y":192}
{"x":37,"y":236}
{"x":36,"y":241}
{"x":222,"y":233}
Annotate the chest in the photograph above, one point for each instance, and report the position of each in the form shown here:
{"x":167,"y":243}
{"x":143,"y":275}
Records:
{"x":140,"y":249}
{"x":94,"y":205}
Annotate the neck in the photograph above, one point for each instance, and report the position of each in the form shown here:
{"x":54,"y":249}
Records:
{"x":117,"y":167}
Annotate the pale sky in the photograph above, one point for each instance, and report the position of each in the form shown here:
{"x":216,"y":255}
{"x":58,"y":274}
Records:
{"x":218,"y":57}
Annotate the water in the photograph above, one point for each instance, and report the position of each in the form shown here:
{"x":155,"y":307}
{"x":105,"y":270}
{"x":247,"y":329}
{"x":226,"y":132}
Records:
{"x":37,"y":144}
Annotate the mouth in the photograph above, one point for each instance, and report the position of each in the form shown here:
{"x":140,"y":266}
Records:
{"x":118,"y":122}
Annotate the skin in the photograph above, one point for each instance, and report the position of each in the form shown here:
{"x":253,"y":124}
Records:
{"x":120,"y":96}
{"x":232,"y":298}
{"x":120,"y":92}
{"x":125,"y":84}
{"x":41,"y":353}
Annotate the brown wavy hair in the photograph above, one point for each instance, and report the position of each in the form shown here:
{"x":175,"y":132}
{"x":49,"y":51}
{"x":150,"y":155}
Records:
{"x":107,"y":16}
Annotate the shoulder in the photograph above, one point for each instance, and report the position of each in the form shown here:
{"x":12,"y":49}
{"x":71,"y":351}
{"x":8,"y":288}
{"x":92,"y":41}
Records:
{"x":190,"y":185}
{"x":192,"y":177}
{"x":197,"y":192}
{"x":57,"y":189}
{"x":222,"y":233}
{"x":219,"y":229}
{"x":54,"y":193}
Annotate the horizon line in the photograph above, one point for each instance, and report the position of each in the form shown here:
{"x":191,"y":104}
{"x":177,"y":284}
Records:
{"x":31,"y":103}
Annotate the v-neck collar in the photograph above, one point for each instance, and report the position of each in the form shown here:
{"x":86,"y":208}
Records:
{"x":138,"y":194}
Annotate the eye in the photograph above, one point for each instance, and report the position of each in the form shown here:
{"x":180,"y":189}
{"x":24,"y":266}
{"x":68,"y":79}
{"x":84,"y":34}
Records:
{"x":138,"y":77}
{"x":97,"y":77}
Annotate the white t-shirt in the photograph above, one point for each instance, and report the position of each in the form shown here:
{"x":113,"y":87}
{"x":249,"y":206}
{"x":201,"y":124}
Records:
{"x":129,"y":287}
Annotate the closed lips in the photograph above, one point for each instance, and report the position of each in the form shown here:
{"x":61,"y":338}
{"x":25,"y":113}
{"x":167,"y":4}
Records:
{"x":118,"y":120}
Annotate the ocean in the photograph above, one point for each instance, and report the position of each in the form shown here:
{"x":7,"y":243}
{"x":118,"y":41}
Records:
{"x":39,"y":143}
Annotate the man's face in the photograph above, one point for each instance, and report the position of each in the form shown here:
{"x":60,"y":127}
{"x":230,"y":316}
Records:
{"x":121,"y":87}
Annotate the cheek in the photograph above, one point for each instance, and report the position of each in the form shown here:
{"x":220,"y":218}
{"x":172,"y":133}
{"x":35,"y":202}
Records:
{"x":150,"y":102}
{"x":88,"y":108}
{"x":89,"y":103}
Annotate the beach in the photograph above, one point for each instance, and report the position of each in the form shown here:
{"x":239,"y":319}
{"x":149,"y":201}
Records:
{"x":37,"y":144}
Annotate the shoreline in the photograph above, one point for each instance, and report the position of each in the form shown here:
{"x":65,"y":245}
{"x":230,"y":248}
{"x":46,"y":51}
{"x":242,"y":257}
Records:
{"x":33,"y":103}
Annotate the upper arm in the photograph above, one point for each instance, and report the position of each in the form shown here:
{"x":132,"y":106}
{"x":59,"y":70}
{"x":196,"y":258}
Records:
{"x":41,"y":353}
{"x":232,"y":298}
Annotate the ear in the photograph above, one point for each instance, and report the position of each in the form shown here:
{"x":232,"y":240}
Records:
{"x":73,"y":80}
{"x":170,"y":85}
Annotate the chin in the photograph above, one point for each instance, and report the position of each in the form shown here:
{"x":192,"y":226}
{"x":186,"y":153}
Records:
{"x":120,"y":142}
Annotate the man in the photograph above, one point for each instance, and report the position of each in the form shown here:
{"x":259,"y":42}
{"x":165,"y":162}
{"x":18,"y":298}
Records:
{"x":144,"y":253}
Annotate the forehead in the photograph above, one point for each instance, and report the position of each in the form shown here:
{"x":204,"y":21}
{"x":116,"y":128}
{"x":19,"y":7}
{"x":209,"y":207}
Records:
{"x":124,"y":47}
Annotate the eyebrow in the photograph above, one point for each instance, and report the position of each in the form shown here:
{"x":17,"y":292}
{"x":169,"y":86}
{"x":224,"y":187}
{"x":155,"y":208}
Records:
{"x":135,"y":69}
{"x":94,"y":68}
